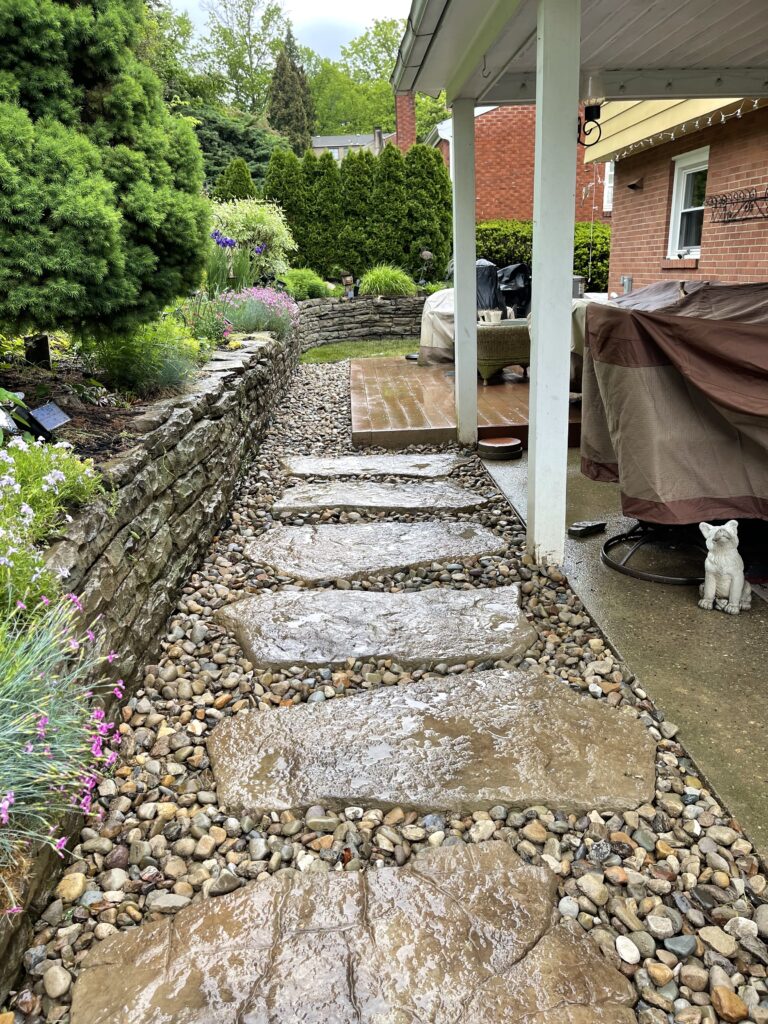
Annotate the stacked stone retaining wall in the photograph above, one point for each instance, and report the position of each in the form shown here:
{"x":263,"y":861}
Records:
{"x":128,"y":556}
{"x":367,"y":317}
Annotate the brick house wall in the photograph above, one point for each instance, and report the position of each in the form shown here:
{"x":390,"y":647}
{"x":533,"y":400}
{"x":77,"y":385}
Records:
{"x":504,"y":148}
{"x":734,"y":253}
{"x":405,"y":120}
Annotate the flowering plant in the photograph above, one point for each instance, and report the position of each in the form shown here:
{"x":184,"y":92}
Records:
{"x":54,"y":743}
{"x":259,"y":309}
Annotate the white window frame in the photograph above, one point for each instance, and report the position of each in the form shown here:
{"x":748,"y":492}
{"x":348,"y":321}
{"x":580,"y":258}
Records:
{"x":695,"y":160}
{"x":608,"y":176}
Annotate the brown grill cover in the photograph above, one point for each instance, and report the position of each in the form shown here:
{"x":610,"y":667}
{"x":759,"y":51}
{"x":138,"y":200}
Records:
{"x":675,"y":403}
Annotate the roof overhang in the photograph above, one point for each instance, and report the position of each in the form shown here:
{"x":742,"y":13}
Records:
{"x":486,"y":50}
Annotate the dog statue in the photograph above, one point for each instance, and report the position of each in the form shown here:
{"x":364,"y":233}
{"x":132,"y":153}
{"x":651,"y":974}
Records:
{"x":724,"y":585}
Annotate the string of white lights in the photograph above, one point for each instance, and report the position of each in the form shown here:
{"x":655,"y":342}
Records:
{"x":695,"y":124}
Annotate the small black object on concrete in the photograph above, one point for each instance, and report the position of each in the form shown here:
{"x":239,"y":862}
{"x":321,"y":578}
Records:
{"x":586,"y":529}
{"x":500,"y":449}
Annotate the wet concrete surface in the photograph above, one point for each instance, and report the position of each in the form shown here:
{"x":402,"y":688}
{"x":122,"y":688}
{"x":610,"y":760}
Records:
{"x":705,"y":670}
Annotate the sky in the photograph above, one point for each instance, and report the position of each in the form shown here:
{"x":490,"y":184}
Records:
{"x":325,"y":25}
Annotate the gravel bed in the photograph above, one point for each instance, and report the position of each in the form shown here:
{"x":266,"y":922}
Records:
{"x":672,"y":892}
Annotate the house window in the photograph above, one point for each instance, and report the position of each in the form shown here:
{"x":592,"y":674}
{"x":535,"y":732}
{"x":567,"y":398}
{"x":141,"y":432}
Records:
{"x":688,"y":192}
{"x":334,"y":153}
{"x":608,"y":187}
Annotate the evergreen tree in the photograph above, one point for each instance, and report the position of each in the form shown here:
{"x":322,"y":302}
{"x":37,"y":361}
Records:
{"x":358,"y":173}
{"x":284,"y":185}
{"x":224,"y":134}
{"x":324,"y":217}
{"x":428,"y":186}
{"x":102,"y":221}
{"x":290,"y":107}
{"x":235,"y":182}
{"x":304,"y":233}
{"x":389,"y":209}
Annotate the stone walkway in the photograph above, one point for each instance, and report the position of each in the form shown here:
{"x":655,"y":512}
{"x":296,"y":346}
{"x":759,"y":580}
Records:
{"x":362,"y":784}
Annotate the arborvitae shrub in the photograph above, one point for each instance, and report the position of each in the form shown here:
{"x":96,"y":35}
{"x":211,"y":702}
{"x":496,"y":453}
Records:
{"x":235,"y":183}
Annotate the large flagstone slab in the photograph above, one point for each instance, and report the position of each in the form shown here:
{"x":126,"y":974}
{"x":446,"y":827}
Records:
{"x":324,"y":628}
{"x":461,"y":934}
{"x":368,"y":495}
{"x":426,"y":466}
{"x":357,"y":550}
{"x":461,"y":743}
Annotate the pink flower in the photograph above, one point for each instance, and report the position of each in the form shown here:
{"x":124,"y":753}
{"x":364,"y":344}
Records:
{"x":14,"y":910}
{"x":28,"y":748}
{"x":20,"y":604}
{"x":75,"y":601}
{"x":111,"y":657}
{"x":5,"y":806}
{"x":45,"y":600}
{"x":59,"y":845}
{"x":90,"y":634}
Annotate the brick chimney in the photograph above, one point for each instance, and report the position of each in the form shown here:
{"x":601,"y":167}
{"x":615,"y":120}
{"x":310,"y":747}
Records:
{"x":405,"y":121}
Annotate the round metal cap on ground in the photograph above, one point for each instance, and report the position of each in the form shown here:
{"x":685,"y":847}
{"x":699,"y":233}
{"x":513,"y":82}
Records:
{"x":500,"y":449}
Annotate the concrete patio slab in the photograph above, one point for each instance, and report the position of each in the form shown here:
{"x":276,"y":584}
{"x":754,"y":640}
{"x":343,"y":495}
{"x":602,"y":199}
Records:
{"x":357,"y":495}
{"x":425,"y":466}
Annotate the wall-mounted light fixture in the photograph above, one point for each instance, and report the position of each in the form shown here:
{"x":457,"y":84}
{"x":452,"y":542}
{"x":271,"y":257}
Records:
{"x":589,"y":126}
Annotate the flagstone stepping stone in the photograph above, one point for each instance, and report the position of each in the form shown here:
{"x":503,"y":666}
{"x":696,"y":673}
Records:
{"x":351,"y":495}
{"x":462,"y":933}
{"x":358,"y":550}
{"x":461,"y":743}
{"x":324,"y":628}
{"x":373,"y":465}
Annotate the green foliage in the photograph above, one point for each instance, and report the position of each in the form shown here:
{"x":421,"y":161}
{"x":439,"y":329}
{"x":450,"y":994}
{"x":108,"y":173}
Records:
{"x":591,"y":254}
{"x":510,"y":241}
{"x":290,"y":105}
{"x":284,"y":186}
{"x":158,"y":356}
{"x":224,"y":134}
{"x":235,"y":183}
{"x":204,"y":319}
{"x":167,"y":45}
{"x":387,"y":280}
{"x":261,"y":229}
{"x":390,"y":231}
{"x":102,"y":220}
{"x":231,"y":269}
{"x":430,"y":287}
{"x":429,"y":220}
{"x":430,"y":111}
{"x":243,"y":41}
{"x":323,"y":221}
{"x":53,"y":746}
{"x":304,"y":284}
{"x":358,"y":174}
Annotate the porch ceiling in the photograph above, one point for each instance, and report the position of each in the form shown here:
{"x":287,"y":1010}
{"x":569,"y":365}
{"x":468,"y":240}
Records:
{"x":486,"y":50}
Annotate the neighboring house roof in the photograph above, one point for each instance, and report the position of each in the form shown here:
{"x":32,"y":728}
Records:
{"x":444,"y":129}
{"x":332,"y":141}
{"x":625,"y":125}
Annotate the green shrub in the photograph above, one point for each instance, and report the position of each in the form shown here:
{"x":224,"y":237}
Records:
{"x":227,"y":133}
{"x":304,"y":284}
{"x":284,"y":186}
{"x":388,"y":210}
{"x":235,"y":182}
{"x":386,"y":280}
{"x":103,"y":220}
{"x":510,"y":241}
{"x":358,"y":173}
{"x":53,"y":744}
{"x":434,"y":286}
{"x":159,"y":356}
{"x":204,"y":319}
{"x":323,"y":221}
{"x":430,"y":216}
{"x":260,"y":228}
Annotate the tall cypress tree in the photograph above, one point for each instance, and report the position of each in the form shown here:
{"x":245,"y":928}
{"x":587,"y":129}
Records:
{"x":235,"y":182}
{"x":429,"y":209}
{"x":358,"y":173}
{"x":324,"y":220}
{"x":389,"y":209}
{"x":284,"y":184}
{"x":290,"y":109}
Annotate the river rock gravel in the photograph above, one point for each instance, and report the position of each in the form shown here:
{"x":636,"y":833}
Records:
{"x":672,"y":892}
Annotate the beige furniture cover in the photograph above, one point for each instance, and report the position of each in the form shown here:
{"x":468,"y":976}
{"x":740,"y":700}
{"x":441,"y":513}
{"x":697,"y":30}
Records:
{"x":675,"y":405}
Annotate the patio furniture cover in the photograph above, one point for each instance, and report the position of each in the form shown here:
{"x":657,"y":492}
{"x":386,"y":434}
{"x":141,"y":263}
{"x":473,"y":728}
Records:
{"x":675,"y":403}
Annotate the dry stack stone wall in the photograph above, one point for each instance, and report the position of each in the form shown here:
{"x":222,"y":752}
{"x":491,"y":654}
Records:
{"x":128,"y":556}
{"x":366,"y":317}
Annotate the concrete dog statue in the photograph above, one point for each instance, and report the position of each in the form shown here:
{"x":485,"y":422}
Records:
{"x":724,"y":585}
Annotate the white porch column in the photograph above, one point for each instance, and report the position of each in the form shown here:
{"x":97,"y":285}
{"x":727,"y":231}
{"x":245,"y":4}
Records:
{"x":464,"y":279}
{"x":557,"y":98}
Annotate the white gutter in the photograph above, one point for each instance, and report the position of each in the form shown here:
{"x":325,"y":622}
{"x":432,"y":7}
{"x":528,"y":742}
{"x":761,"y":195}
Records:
{"x":423,"y":21}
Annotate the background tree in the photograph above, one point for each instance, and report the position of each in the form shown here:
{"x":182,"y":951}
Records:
{"x":323,"y":220}
{"x":284,"y":185}
{"x":390,"y":237}
{"x":101,"y":218}
{"x":290,"y":108}
{"x":235,"y":182}
{"x":428,"y":187}
{"x":371,"y":56}
{"x":430,"y":111}
{"x":358,"y":173}
{"x":167,"y":44}
{"x":224,"y":133}
{"x":243,"y":42}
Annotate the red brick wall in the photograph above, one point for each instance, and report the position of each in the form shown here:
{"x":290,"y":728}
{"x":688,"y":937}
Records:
{"x":504,"y":147}
{"x":735,"y":252}
{"x":405,"y":121}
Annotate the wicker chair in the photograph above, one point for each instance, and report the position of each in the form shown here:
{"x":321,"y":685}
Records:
{"x":506,"y":343}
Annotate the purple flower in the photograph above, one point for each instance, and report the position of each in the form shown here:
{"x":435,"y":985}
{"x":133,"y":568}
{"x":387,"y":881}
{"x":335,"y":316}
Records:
{"x":5,"y":806}
{"x":222,"y":241}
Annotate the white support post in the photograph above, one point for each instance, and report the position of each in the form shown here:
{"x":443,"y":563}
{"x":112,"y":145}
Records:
{"x":554,"y":194}
{"x":464,"y":277}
